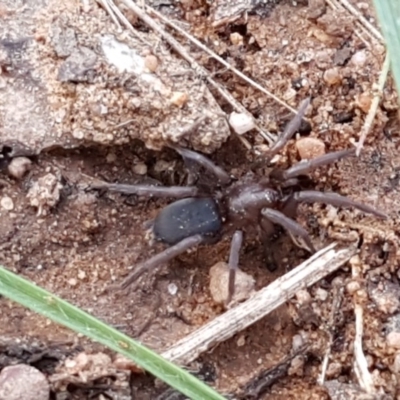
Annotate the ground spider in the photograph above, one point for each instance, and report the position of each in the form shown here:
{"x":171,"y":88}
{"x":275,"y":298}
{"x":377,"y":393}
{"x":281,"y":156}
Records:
{"x":204,"y":215}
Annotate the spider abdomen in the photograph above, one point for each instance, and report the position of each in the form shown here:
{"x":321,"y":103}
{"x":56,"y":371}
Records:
{"x":187,"y":217}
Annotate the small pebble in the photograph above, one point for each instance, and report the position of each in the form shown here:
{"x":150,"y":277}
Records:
{"x":111,"y":158}
{"x":363,"y":101}
{"x":303,"y":297}
{"x":236,"y":38}
{"x":23,"y":382}
{"x":241,"y":341}
{"x":241,"y":122}
{"x":219,"y":276}
{"x":352,"y":287}
{"x":81,"y":274}
{"x":72,"y":282}
{"x":309,"y":148}
{"x":140,"y":169}
{"x":151,"y":62}
{"x":358,"y":59}
{"x":332,"y":76}
{"x":7,"y":203}
{"x":172,"y":289}
{"x":321,"y":294}
{"x":19,"y":166}
{"x":297,"y":342}
{"x":179,"y":98}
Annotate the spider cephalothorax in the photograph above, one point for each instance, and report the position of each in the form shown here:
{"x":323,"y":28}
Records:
{"x":231,"y":207}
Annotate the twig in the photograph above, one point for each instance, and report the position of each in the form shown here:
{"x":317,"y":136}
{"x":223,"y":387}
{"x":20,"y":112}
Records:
{"x":111,"y":13}
{"x":116,"y":13}
{"x":197,"y":67}
{"x":337,"y":301}
{"x":374,"y":104}
{"x":360,"y":362}
{"x":220,"y":60}
{"x":259,"y":305}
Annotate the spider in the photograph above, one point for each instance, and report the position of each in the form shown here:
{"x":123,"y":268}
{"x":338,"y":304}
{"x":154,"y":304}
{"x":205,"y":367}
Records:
{"x":203,"y":215}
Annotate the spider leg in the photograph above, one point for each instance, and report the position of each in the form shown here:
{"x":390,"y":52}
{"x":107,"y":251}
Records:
{"x":290,"y":129}
{"x":189,"y":155}
{"x":233,"y":263}
{"x":291,"y":226}
{"x":313,"y":196}
{"x":163,"y":257}
{"x":149,"y":190}
{"x":304,"y":167}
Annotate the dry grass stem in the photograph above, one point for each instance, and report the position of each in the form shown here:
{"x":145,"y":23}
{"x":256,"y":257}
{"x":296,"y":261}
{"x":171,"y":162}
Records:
{"x":116,"y":14}
{"x":360,"y":362}
{"x":374,"y":104}
{"x":106,"y":5}
{"x":361,"y":29}
{"x":352,"y":10}
{"x":221,"y":60}
{"x":259,"y":305}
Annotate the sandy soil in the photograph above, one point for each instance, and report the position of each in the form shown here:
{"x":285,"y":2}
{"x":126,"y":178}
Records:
{"x":83,"y":241}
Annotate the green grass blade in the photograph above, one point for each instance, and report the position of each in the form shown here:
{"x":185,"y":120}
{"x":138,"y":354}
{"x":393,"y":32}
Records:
{"x":39,"y":300}
{"x":388,"y":12}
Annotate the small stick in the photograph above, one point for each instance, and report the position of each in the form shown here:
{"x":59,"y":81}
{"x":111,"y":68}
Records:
{"x":115,"y":13}
{"x":360,"y":362}
{"x":259,"y":305}
{"x":374,"y":104}
{"x":111,"y":13}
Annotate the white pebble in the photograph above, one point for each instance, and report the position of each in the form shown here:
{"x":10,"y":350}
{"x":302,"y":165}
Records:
{"x":19,"y":166}
{"x":321,"y":294}
{"x":241,"y":122}
{"x":236,"y":39}
{"x":358,"y":59}
{"x":7,"y":203}
{"x":297,"y":342}
{"x":241,"y":341}
{"x":172,"y":289}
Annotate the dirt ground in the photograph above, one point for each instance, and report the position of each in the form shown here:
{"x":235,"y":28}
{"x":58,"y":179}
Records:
{"x":86,"y":241}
